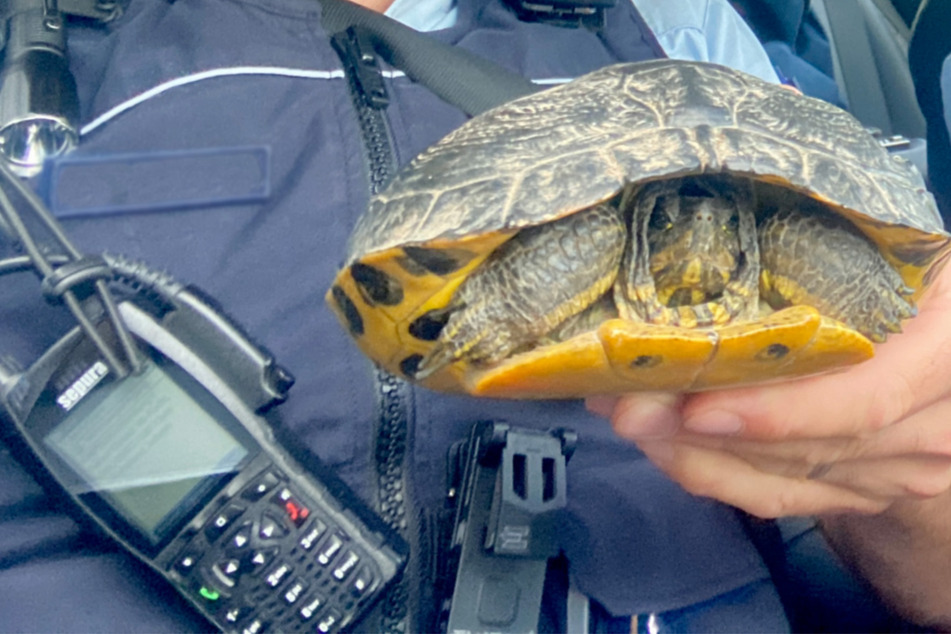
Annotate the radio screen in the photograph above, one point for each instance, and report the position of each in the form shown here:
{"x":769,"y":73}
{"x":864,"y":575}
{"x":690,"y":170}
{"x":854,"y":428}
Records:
{"x":149,"y":448}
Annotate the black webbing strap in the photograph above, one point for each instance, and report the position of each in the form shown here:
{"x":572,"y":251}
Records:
{"x":459,"y":77}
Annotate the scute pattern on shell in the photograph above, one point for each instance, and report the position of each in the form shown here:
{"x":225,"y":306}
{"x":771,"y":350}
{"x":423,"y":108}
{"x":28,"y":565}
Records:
{"x":557,"y":151}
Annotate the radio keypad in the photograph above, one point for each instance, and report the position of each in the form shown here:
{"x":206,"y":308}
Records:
{"x":272,"y":544}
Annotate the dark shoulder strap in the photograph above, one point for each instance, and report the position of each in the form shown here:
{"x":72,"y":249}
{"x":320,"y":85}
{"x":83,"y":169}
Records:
{"x":459,"y":77}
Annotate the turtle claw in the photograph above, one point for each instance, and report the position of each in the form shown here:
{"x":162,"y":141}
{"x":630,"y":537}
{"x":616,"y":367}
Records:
{"x":884,"y":316}
{"x":436,"y":360}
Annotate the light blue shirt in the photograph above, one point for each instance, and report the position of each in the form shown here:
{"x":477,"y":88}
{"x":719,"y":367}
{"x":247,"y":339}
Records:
{"x":703,"y":30}
{"x":946,"y":91}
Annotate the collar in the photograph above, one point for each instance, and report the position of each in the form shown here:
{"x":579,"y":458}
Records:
{"x":424,"y":15}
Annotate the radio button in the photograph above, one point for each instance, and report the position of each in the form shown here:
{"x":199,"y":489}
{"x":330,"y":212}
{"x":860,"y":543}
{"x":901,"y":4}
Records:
{"x":262,"y":558}
{"x":271,"y":527}
{"x":187,"y":561}
{"x":296,"y":511}
{"x":362,"y":582}
{"x":329,"y":550}
{"x":236,"y":614}
{"x":209,"y":594}
{"x":240,"y":540}
{"x":312,"y":535}
{"x":222,"y":521}
{"x":294,"y":591}
{"x":329,"y":622}
{"x":255,"y":627}
{"x":278,"y":574}
{"x":262,"y":485}
{"x":350,"y":560}
{"x":227,"y":571}
{"x":310,"y":607}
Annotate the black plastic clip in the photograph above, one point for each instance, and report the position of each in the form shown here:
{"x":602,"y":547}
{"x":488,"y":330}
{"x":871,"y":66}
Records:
{"x":509,"y":487}
{"x":54,"y":10}
{"x":565,"y":13}
{"x":73,"y":274}
{"x":101,"y":10}
{"x":362,"y":64}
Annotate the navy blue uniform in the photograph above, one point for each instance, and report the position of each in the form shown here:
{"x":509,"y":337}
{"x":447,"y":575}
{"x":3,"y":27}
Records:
{"x":221,"y":144}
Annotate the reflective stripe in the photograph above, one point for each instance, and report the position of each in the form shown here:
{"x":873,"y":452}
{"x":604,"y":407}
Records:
{"x":276,"y":71}
{"x":213,"y":74}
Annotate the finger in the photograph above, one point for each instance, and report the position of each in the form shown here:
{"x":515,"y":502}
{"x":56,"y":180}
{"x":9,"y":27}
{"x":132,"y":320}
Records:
{"x":794,"y":458}
{"x":925,"y":433}
{"x":909,"y":459}
{"x":647,"y":415}
{"x":909,"y":372}
{"x":897,"y":477}
{"x":730,"y":479}
{"x":918,"y":475}
{"x":601,"y":405}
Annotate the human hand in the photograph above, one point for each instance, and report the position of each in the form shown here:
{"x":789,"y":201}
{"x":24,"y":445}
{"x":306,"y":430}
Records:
{"x":857,"y":440}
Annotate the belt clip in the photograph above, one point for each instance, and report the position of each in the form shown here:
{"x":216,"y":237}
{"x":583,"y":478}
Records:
{"x":509,"y":487}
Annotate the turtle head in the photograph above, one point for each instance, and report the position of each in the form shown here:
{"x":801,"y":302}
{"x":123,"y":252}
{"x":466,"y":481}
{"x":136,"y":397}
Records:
{"x":693,"y":236}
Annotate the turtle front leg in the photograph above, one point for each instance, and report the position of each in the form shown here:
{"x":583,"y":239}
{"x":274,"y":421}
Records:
{"x":528,"y":286}
{"x":810,"y":257}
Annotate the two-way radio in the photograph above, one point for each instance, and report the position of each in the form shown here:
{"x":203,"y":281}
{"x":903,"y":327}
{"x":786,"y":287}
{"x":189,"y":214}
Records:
{"x":174,"y":453}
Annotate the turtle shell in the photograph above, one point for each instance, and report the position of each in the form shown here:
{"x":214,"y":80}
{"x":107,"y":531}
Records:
{"x":556,"y":152}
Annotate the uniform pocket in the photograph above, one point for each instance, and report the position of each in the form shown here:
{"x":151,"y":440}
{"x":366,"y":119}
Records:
{"x":78,"y":185}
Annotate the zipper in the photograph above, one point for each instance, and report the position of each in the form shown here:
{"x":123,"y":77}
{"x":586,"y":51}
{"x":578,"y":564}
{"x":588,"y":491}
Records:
{"x":391,"y":435}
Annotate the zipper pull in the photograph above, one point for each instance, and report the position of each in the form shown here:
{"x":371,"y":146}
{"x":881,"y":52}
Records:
{"x":362,"y":64}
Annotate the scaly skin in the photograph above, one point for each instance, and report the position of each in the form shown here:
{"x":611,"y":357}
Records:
{"x":810,"y":257}
{"x":531,"y":284}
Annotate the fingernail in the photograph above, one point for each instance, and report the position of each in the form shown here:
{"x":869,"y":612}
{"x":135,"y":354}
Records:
{"x":715,"y":423}
{"x":647,"y":419}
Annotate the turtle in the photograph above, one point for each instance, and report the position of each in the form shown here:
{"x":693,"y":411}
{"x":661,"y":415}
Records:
{"x":665,"y":225}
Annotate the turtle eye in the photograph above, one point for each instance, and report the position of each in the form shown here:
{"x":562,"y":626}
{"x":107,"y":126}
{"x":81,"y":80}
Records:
{"x":661,"y":218}
{"x":731,"y":226}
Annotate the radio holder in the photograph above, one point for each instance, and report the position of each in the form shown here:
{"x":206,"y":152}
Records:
{"x":508,"y":485}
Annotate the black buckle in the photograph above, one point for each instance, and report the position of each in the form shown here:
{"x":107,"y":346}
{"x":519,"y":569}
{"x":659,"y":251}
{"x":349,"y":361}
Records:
{"x":509,"y":487}
{"x":53,"y":10}
{"x":567,"y":13}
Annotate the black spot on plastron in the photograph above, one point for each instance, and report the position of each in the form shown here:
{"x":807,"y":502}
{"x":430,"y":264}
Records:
{"x":773,"y":352}
{"x":410,"y":365}
{"x":439,"y":261}
{"x":350,"y":311}
{"x":411,"y":266}
{"x":376,"y":286}
{"x":427,"y":326}
{"x":646,"y":361}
